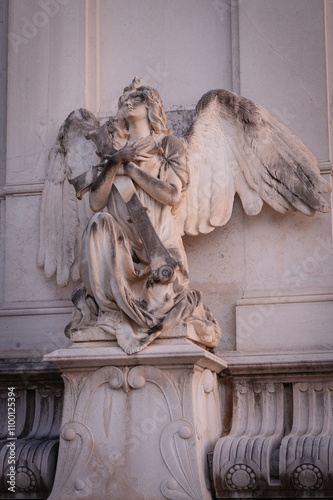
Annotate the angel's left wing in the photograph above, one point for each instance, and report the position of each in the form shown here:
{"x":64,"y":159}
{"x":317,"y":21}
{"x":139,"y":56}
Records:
{"x":236,"y":146}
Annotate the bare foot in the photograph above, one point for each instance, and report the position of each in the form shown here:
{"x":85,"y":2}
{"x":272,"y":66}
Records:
{"x":135,"y":346}
{"x":129,"y":344}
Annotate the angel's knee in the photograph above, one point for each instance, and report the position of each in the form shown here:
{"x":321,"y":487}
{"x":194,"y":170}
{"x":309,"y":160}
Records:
{"x":100,"y":221}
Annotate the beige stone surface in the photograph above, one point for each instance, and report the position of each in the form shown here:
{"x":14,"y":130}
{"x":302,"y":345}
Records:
{"x":271,"y":45}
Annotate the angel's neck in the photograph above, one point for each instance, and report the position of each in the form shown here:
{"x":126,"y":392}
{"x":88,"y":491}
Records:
{"x":138,"y":130}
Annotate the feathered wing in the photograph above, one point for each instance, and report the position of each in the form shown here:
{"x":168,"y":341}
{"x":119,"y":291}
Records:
{"x":63,"y":217}
{"x":236,"y":146}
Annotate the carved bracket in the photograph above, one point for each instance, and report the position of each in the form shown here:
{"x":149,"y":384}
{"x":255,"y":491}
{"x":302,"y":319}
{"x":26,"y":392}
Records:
{"x":242,"y":460}
{"x":306,"y":453}
{"x":38,"y":409}
{"x":264,"y":452}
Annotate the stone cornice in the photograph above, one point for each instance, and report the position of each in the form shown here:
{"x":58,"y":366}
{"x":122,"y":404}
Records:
{"x":284,"y":364}
{"x":35,"y":308}
{"x":161,"y":352}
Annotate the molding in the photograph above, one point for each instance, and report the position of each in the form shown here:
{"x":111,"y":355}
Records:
{"x":35,"y":308}
{"x":328,"y":13}
{"x":2,"y":246}
{"x":92,"y":55}
{"x":24,"y":189}
{"x":36,"y":311}
{"x":235,"y":47}
{"x":328,"y":9}
{"x":160,"y":352}
{"x":14,"y":367}
{"x":275,"y":297}
{"x":283,"y":364}
{"x":4,"y":9}
{"x":325,"y":167}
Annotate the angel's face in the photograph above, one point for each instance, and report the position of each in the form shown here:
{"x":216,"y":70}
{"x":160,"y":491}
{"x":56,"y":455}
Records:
{"x":134,"y":107}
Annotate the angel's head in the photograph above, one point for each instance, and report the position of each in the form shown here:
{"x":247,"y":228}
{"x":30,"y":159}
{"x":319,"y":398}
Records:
{"x":139,"y":101}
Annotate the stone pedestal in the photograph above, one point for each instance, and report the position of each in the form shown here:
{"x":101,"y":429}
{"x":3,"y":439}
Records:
{"x":140,"y":426}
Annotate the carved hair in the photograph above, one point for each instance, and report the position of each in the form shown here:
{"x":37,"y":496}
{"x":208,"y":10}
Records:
{"x":154,"y":105}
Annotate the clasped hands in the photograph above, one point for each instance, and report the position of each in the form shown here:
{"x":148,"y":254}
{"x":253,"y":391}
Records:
{"x":128,"y":157}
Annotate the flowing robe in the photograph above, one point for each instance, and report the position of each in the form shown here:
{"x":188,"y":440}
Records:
{"x":115,"y":268}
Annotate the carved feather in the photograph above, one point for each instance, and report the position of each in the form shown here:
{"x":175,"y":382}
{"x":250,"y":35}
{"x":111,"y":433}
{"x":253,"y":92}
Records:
{"x":234,"y":145}
{"x":63,"y":217}
{"x":211,"y":192}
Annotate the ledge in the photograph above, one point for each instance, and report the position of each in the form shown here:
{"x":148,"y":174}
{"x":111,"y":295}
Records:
{"x":22,"y":371}
{"x":270,"y":363}
{"x":22,"y":189}
{"x":160,"y":352}
{"x":36,"y":308}
{"x":276,"y":297}
{"x":325,"y":167}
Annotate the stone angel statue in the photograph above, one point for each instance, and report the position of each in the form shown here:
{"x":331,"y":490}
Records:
{"x":151,"y":188}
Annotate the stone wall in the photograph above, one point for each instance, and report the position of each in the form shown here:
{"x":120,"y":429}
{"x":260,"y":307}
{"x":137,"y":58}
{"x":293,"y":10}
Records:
{"x":73,"y":54}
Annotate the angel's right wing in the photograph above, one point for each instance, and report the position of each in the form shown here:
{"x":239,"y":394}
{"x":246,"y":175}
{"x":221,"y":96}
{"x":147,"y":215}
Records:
{"x":236,"y":146}
{"x":63,"y":217}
